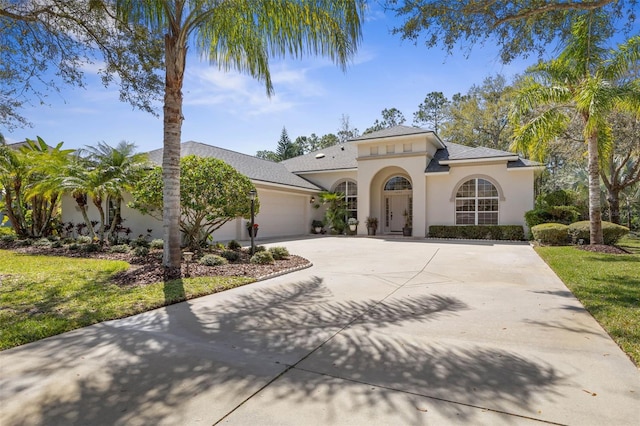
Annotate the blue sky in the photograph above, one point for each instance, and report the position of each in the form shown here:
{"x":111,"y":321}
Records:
{"x":232,"y":111}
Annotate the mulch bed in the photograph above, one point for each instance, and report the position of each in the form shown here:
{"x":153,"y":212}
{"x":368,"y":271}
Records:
{"x":601,"y":248}
{"x":148,"y":269}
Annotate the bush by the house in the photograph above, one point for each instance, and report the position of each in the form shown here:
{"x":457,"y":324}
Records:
{"x":84,"y":239}
{"x":555,"y":207}
{"x":42,"y":242}
{"x":262,"y":258}
{"x":158,"y":243}
{"x":233,"y":245}
{"x":279,"y":253}
{"x":478,"y":232}
{"x":258,"y":249}
{"x":212,"y":260}
{"x":553,"y":234}
{"x":140,"y":242}
{"x":140,"y":251}
{"x":230,"y":255}
{"x":90,"y":248}
{"x":8,"y":238}
{"x":121,"y":248}
{"x":611,"y":232}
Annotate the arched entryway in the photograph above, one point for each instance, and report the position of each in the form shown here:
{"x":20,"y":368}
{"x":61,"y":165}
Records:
{"x":397,"y":196}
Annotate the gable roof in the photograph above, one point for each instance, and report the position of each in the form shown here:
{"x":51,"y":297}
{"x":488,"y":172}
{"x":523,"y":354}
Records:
{"x":336,"y":157}
{"x":253,"y":167}
{"x":394,"y":131}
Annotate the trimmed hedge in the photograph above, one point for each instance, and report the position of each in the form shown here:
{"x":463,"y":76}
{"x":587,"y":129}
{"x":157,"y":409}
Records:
{"x":478,"y":232}
{"x":611,"y":232}
{"x":553,"y":234}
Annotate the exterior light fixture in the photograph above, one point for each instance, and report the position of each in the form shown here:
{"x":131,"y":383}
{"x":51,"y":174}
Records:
{"x":252,"y":197}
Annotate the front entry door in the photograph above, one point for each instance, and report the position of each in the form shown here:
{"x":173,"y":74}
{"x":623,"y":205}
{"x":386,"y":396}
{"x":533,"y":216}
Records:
{"x":396,"y":205}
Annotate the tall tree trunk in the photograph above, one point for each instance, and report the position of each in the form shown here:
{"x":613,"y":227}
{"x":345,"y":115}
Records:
{"x":595,"y":213}
{"x":613,"y":198}
{"x":175,"y":63}
{"x":97,"y":201}
{"x":81,"y":201}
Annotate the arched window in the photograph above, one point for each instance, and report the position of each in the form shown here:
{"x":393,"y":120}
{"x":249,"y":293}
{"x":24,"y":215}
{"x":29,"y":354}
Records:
{"x":350,"y":191}
{"x":477,"y":203}
{"x":397,"y":183}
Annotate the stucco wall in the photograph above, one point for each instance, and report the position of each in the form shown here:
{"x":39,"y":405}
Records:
{"x":516,"y":186}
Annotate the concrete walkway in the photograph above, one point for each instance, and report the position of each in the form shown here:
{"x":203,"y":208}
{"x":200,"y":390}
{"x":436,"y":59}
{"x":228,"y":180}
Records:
{"x":378,"y":331}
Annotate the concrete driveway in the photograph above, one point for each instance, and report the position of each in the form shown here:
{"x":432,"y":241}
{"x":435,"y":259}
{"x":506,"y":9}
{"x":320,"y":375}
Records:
{"x":378,"y":331}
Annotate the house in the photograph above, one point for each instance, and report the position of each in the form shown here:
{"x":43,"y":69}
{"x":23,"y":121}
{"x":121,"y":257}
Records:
{"x":397,"y":175}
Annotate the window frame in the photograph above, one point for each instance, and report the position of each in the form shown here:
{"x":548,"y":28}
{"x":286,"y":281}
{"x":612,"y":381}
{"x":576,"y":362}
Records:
{"x":471,"y":204}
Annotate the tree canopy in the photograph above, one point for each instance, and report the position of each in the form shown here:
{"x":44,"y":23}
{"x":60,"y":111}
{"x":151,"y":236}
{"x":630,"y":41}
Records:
{"x":518,"y":27}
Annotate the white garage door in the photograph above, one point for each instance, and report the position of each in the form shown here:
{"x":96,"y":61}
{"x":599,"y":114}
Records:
{"x":282,"y":214}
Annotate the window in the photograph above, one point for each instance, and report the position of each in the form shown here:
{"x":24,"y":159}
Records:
{"x":397,"y":183}
{"x":350,"y":191}
{"x":477,"y":203}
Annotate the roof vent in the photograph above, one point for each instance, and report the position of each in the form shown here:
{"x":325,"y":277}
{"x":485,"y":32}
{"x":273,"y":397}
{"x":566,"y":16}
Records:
{"x":319,"y":155}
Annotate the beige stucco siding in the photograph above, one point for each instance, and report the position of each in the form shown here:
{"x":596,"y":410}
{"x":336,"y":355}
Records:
{"x":515,"y":187}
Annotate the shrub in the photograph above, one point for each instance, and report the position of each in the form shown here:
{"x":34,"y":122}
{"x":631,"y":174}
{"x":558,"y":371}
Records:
{"x":233,"y":245}
{"x":140,"y":242}
{"x":140,"y":251}
{"x":8,"y":238}
{"x":279,"y":253}
{"x":478,"y":232}
{"x":121,"y":248}
{"x":90,"y":248}
{"x":7,"y":230}
{"x":555,"y":234}
{"x":260,"y":248}
{"x":611,"y":232}
{"x":24,"y":243}
{"x":230,"y":255}
{"x":56,"y":244}
{"x":42,"y":242}
{"x":262,"y":258}
{"x":74,"y":246}
{"x":158,"y":243}
{"x":83,"y":239}
{"x":212,"y":260}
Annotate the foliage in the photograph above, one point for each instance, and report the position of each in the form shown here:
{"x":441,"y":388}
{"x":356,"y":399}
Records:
{"x":517,"y":27}
{"x":140,"y":242}
{"x":336,"y":213}
{"x":262,"y":258}
{"x":607,"y":286}
{"x":284,"y":150}
{"x":233,"y":245}
{"x":432,"y":111}
{"x":212,"y":260}
{"x":30,"y":202}
{"x":230,"y":255}
{"x":141,"y":251}
{"x":554,"y":214}
{"x":212,"y":193}
{"x":279,"y":253}
{"x":612,"y":232}
{"x":587,"y":79}
{"x":390,"y":117}
{"x":46,"y":44}
{"x":372,"y":222}
{"x":156,"y":243}
{"x":481,"y":117}
{"x":352,"y":221}
{"x":48,"y":295}
{"x":317,"y":223}
{"x":554,"y":234}
{"x":346,"y":132}
{"x":121,"y":248}
{"x":478,"y":232}
{"x":260,"y":248}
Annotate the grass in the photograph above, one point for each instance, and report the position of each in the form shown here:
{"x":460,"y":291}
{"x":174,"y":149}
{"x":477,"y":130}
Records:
{"x":41,"y":296}
{"x":607,"y":285}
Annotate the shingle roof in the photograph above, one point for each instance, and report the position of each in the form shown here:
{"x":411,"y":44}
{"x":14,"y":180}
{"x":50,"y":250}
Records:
{"x":392,"y":132}
{"x":454,"y":151}
{"x":253,"y":167}
{"x":336,"y":157}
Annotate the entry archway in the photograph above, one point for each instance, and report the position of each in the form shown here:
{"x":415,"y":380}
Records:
{"x":398,"y":203}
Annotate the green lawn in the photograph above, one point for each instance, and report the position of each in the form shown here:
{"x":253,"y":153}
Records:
{"x":42,"y":296}
{"x":607,"y":285}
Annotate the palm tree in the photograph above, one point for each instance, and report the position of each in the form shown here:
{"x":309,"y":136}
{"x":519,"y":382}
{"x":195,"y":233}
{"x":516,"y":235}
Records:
{"x":586,"y":80}
{"x":120,"y":167}
{"x":242,"y":35}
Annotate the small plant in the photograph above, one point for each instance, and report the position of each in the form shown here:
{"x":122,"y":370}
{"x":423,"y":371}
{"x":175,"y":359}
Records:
{"x":158,"y":243}
{"x":24,"y":243}
{"x":279,"y":253}
{"x":56,"y":244}
{"x":262,"y":258}
{"x":230,"y":255}
{"x":121,"y":248}
{"x":141,"y":241}
{"x":352,"y":221}
{"x":9,"y":238}
{"x":317,"y":223}
{"x":259,"y":249}
{"x":90,"y":248}
{"x":233,"y":245}
{"x":74,"y":247}
{"x":83,"y":239}
{"x":212,"y":260}
{"x":140,"y":251}
{"x":219,"y":246}
{"x":42,"y":242}
{"x":372,"y":222}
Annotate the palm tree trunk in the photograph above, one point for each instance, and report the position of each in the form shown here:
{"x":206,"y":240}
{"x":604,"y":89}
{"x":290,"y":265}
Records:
{"x":175,"y":55}
{"x":595,"y":213}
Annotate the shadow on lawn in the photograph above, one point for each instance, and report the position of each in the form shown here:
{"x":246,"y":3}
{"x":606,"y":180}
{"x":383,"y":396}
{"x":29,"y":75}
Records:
{"x":215,"y":353}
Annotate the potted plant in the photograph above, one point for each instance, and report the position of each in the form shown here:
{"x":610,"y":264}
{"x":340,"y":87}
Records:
{"x":317,"y":226}
{"x":353,"y":223}
{"x":255,"y":229}
{"x":372,"y":225}
{"x":407,"y":230}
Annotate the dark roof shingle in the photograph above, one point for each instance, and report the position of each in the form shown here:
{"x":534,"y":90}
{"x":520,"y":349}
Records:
{"x":336,"y":157}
